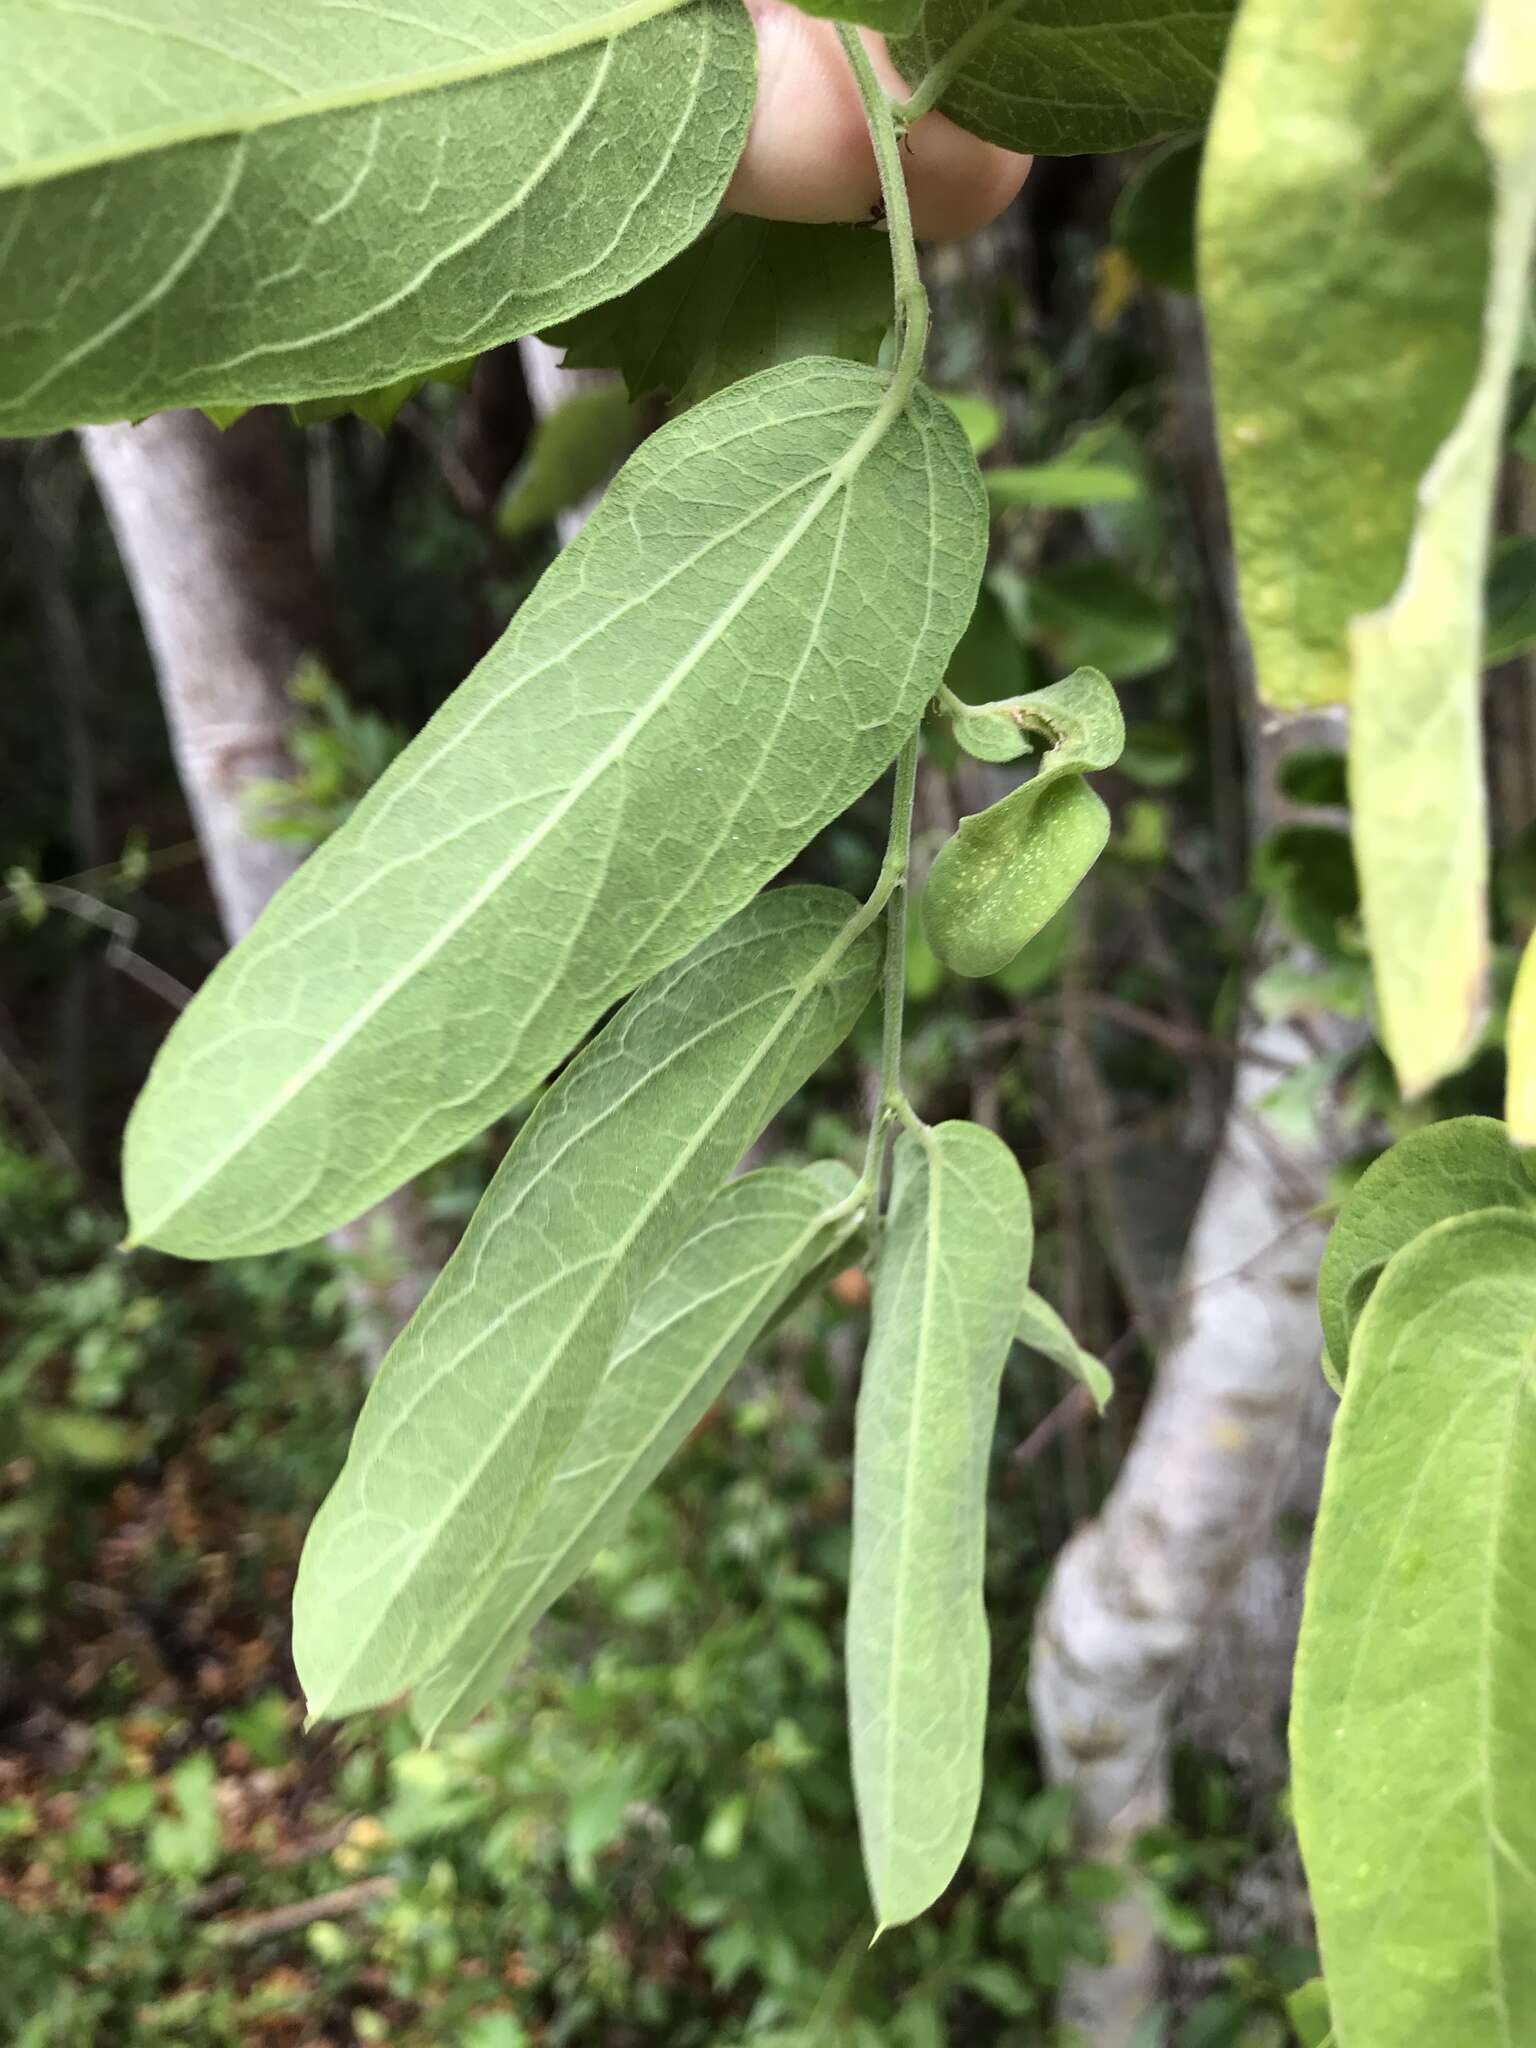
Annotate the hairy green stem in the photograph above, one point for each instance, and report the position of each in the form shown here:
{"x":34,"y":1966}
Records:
{"x":890,"y":892}
{"x":932,"y":87}
{"x":911,"y":298}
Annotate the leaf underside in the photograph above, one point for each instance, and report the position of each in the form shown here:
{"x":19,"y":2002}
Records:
{"x":409,"y":1568}
{"x":1063,"y":78}
{"x":756,"y":1245}
{"x":953,"y":1264}
{"x":1007,"y":871}
{"x":1417,"y":1664}
{"x":731,"y":651}
{"x":215,"y":204}
{"x":1042,"y":1329}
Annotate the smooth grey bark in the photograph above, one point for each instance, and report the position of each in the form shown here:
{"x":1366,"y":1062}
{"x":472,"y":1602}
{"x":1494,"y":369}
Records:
{"x":212,"y":533}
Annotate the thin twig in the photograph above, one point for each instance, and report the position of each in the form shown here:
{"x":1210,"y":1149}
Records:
{"x":348,"y":1898}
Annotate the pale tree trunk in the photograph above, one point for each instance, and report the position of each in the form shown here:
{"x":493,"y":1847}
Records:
{"x":212,"y":533}
{"x":1136,"y":1593}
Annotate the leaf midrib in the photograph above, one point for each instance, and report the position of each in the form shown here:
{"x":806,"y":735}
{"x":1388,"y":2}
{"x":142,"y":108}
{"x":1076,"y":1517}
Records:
{"x":302,"y":107}
{"x":833,"y":479}
{"x":815,"y":978}
{"x":933,"y":1161}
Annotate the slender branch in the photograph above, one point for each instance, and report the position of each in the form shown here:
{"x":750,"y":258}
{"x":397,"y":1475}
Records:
{"x":936,"y":83}
{"x":911,"y":298}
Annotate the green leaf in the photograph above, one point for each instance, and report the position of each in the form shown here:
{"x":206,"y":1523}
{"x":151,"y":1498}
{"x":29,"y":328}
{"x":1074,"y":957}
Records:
{"x":573,"y":451}
{"x":733,"y":648}
{"x":1520,"y":1051}
{"x":753,"y":1249}
{"x":1097,"y":615}
{"x":1414,"y":1720}
{"x":988,"y":662}
{"x":1063,"y":484}
{"x":891,"y":17}
{"x":1009,"y":869}
{"x":406,"y":1574}
{"x":1154,"y":218}
{"x":74,"y":1437}
{"x":1037,"y":76}
{"x":1447,"y":1169}
{"x":954,"y":1260}
{"x":1307,"y":2011}
{"x":749,"y":294}
{"x":186,"y":1844}
{"x":980,"y":418}
{"x":1340,"y":127}
{"x":1314,"y":775}
{"x":1308,"y":873}
{"x":1510,"y":599}
{"x":1043,"y":1330}
{"x":1416,"y":778}
{"x":380,"y":407}
{"x":316,"y":201}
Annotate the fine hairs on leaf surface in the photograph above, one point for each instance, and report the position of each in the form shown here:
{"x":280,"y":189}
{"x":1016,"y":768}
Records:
{"x":295,"y":209}
{"x":1414,"y":1719}
{"x":1008,"y":870}
{"x":954,"y":1261}
{"x":406,"y":1572}
{"x":1447,"y":1169}
{"x":748,"y":294}
{"x":730,"y":652}
{"x":1061,"y":78}
{"x":759,"y":1242}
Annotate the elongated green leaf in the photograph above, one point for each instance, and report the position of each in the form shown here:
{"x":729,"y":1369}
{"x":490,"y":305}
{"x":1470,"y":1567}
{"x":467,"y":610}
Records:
{"x":1062,"y":485}
{"x":1447,"y":1169}
{"x":573,"y":451}
{"x":749,"y":294}
{"x":733,"y":649}
{"x":1043,"y":1330}
{"x":1415,"y":1709}
{"x":953,"y":1264}
{"x":1009,"y":869}
{"x":1062,"y":78}
{"x":411,"y":1562}
{"x":1416,"y":735}
{"x":754,"y":1248}
{"x":209,"y":203}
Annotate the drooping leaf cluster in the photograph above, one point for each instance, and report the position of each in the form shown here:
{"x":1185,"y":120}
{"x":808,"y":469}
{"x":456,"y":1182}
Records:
{"x":205,"y":204}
